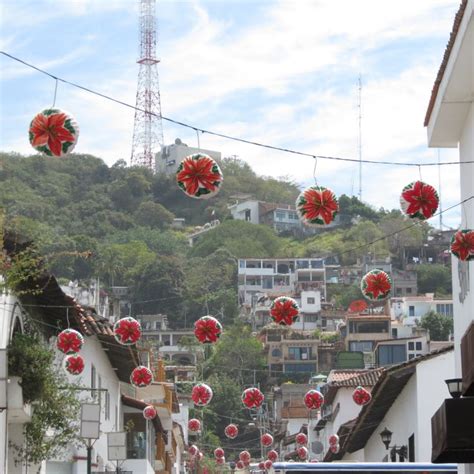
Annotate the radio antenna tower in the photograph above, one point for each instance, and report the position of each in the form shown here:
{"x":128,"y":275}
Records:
{"x":148,"y":127}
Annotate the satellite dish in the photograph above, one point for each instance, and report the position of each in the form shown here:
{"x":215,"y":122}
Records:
{"x":317,"y":447}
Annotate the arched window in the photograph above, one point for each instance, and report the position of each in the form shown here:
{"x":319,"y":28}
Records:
{"x":276,"y":353}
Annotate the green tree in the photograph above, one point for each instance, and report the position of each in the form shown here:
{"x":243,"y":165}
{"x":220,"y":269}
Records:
{"x":438,"y":325}
{"x":154,"y":215}
{"x":434,"y":278}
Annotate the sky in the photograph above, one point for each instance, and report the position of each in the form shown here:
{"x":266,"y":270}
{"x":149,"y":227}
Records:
{"x":284,"y":73}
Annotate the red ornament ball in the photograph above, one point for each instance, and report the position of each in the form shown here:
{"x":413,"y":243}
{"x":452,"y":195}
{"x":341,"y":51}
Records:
{"x":317,"y":206}
{"x":199,"y":176}
{"x":268,"y":464}
{"x":149,"y":412}
{"x":127,"y":331}
{"x":462,"y":245}
{"x":219,"y":453}
{"x":231,"y":431}
{"x":244,"y":456}
{"x":272,"y":455}
{"x":261,"y":465}
{"x":302,"y":452}
{"x":53,"y":132}
{"x":220,"y":461}
{"x":376,"y":285}
{"x":284,"y":310}
{"x":313,"y":399}
{"x":240,"y":465}
{"x":334,"y":448}
{"x":141,"y":377}
{"x":333,"y":439}
{"x":301,"y":439}
{"x":252,"y":397}
{"x":194,"y":425}
{"x":419,"y":200}
{"x":201,"y":394}
{"x":74,"y":364}
{"x":193,"y":450}
{"x":266,"y":440}
{"x":361,"y":396}
{"x":69,"y":341}
{"x":207,"y":329}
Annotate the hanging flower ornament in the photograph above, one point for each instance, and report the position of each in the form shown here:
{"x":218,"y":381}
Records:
{"x":199,"y":176}
{"x":194,"y":425}
{"x":220,"y":461}
{"x":201,"y":394}
{"x":231,"y":431}
{"x":266,"y":440}
{"x":53,"y":132}
{"x":261,"y":465}
{"x":419,"y":200}
{"x":272,"y":455}
{"x":376,"y":285}
{"x":141,"y":377}
{"x":127,"y":331}
{"x":333,"y":439}
{"x":301,"y":439}
{"x":252,"y":397}
{"x":361,"y":396}
{"x":207,"y":329}
{"x":193,"y":450}
{"x":69,"y":341}
{"x":357,"y":306}
{"x":268,"y":464}
{"x":317,"y":206}
{"x":74,"y":364}
{"x":244,"y":456}
{"x":149,"y":412}
{"x":219,"y":453}
{"x":302,"y":452}
{"x":334,"y":448}
{"x":284,"y":310}
{"x":313,"y":399}
{"x":462,"y":245}
{"x":240,"y":465}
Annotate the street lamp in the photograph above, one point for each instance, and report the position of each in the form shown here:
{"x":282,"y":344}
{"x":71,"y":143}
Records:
{"x":90,"y":428}
{"x":402,"y":451}
{"x":454,"y":387}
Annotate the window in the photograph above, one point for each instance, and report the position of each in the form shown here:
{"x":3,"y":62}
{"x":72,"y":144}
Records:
{"x":107,"y":405}
{"x":411,"y":356}
{"x":311,"y":300}
{"x":411,"y":346}
{"x":247,"y":215}
{"x":299,"y":353}
{"x":157,"y":324}
{"x":93,"y":380}
{"x":360,"y":346}
{"x":166,"y":339}
{"x":276,"y":353}
{"x":324,"y":322}
{"x":99,"y":386}
{"x":418,"y":346}
{"x":279,"y":215}
{"x":357,"y":327}
{"x":267,"y":283}
{"x":408,"y":291}
{"x":394,"y":333}
{"x":300,"y":368}
{"x":391,"y":354}
{"x":411,"y":311}
{"x":445,"y":309}
{"x":310,"y":318}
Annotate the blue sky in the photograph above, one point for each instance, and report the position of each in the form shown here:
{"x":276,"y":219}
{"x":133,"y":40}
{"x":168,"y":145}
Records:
{"x":278,"y":72}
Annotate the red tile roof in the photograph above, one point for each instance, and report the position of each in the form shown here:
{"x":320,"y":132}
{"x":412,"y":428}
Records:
{"x":444,"y":62}
{"x":354,"y":377}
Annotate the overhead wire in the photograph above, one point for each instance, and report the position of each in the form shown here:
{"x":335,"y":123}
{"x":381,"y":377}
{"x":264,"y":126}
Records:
{"x":223,"y":135}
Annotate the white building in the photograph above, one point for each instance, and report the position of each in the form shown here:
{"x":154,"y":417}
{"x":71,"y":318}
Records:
{"x":450,"y":124}
{"x":411,"y":309}
{"x":404,"y":399}
{"x":169,"y":157}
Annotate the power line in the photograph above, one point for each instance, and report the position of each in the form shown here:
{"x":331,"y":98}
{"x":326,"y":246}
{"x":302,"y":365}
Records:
{"x":225,"y":136}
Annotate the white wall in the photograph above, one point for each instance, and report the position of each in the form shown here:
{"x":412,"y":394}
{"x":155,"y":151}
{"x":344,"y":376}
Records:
{"x":238,"y":211}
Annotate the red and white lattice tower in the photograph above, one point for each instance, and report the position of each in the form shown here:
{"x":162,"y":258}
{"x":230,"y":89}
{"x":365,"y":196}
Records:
{"x":148,"y":127}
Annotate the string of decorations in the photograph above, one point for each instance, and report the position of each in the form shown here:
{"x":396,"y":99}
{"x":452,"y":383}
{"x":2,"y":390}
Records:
{"x":222,"y":135}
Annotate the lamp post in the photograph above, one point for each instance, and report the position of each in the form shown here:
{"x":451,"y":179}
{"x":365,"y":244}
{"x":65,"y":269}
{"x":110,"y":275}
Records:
{"x":402,"y":451}
{"x":90,"y":428}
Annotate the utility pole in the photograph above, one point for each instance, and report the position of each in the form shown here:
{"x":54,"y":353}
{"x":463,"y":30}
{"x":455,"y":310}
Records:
{"x":360,"y":138}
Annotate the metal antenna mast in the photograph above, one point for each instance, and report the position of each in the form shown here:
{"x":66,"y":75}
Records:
{"x":148,"y":127}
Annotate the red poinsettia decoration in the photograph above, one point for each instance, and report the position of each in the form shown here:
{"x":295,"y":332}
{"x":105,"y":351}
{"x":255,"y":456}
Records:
{"x":357,"y":306}
{"x":268,"y":464}
{"x":252,"y":397}
{"x":334,"y":448}
{"x":199,"y":176}
{"x":207,"y":329}
{"x":141,"y":376}
{"x":194,"y":425}
{"x":462,"y":244}
{"x":419,"y":200}
{"x":240,"y":465}
{"x":201,"y":394}
{"x":193,"y":450}
{"x":219,"y":453}
{"x":317,"y":206}
{"x":266,"y":439}
{"x":361,"y":396}
{"x":272,"y":455}
{"x":231,"y":431}
{"x":302,"y":452}
{"x":74,"y":364}
{"x":301,"y":438}
{"x":69,"y":341}
{"x":127,"y":331}
{"x":244,"y":456}
{"x":284,"y":310}
{"x":149,"y":412}
{"x":53,"y":132}
{"x":333,"y":439}
{"x":220,"y":461}
{"x":313,"y":399}
{"x":376,"y":285}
